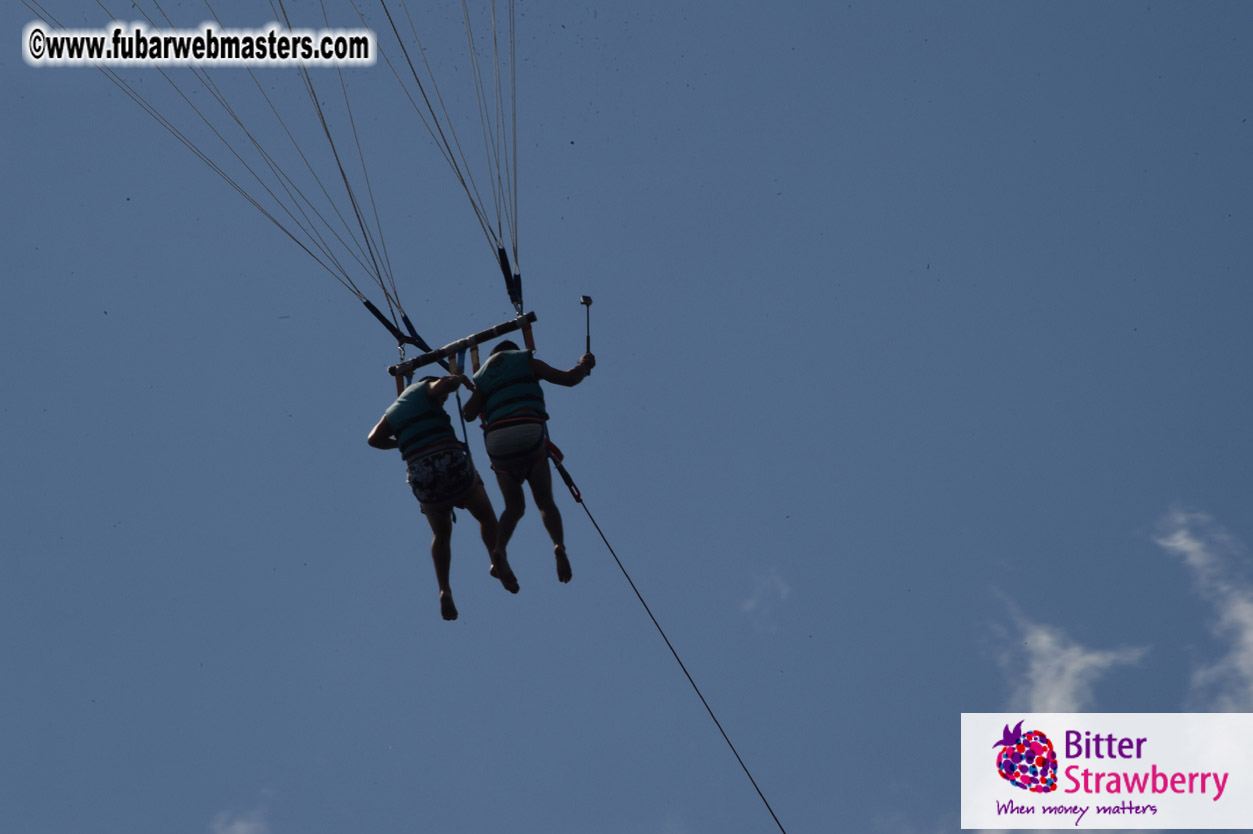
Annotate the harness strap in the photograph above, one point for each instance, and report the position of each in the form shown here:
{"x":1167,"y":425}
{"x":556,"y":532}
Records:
{"x":423,"y":451}
{"x":509,"y":421}
{"x":555,"y":455}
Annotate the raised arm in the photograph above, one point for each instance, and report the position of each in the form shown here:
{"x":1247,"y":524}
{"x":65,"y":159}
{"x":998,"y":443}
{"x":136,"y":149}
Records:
{"x":570,"y":378}
{"x":445,"y":385}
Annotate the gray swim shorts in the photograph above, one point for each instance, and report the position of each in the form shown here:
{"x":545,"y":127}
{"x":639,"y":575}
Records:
{"x":515,"y":448}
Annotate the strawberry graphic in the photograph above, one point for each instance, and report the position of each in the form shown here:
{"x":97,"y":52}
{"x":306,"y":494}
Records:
{"x":1027,"y":760}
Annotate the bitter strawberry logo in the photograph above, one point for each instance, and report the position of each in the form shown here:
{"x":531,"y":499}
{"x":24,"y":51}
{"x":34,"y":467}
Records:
{"x":1027,"y":760}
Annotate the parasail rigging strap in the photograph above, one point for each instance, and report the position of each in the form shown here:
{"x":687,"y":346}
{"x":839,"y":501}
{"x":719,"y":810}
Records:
{"x":528,"y":338}
{"x":513,"y":279}
{"x":401,"y":338}
{"x":457,"y":366}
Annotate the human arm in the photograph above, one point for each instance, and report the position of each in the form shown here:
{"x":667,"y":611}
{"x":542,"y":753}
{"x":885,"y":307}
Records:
{"x":445,"y":385}
{"x":381,"y":435}
{"x":473,"y":406}
{"x":570,"y":378}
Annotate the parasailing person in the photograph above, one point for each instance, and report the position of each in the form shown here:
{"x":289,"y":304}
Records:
{"x":508,"y":395}
{"x":441,"y":475}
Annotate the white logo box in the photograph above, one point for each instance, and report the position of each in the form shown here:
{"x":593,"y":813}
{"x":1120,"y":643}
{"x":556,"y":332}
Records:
{"x":1151,"y":771}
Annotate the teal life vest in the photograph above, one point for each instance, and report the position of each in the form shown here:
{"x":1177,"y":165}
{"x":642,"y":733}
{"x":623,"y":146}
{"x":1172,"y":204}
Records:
{"x":509,"y":388}
{"x":418,"y":421}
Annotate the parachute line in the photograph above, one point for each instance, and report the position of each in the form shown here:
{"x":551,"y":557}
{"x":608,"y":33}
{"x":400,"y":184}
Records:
{"x":498,"y":123}
{"x":371,"y":245}
{"x":346,"y":241}
{"x":292,"y":203}
{"x":327,"y":259}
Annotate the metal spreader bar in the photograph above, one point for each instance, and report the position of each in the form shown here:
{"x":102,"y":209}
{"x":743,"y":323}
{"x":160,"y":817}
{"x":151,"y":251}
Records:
{"x":452,"y":349}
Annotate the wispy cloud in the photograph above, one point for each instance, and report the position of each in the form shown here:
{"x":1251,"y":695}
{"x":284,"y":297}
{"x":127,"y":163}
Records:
{"x":897,"y":822}
{"x":1049,"y":831}
{"x":1050,"y":672}
{"x":252,"y":822}
{"x":673,"y":824}
{"x":1219,"y":566}
{"x":768,"y":593}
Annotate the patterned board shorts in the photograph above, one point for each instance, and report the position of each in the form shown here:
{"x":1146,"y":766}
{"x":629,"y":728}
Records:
{"x":441,"y":477}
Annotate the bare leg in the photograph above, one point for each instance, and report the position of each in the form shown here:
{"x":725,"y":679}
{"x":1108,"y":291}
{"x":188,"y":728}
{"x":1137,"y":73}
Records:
{"x":515,"y":506}
{"x":441,"y":555}
{"x":541,"y":480}
{"x":480,"y":506}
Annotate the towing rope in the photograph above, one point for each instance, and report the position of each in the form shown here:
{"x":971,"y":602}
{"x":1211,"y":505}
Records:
{"x":565,"y":476}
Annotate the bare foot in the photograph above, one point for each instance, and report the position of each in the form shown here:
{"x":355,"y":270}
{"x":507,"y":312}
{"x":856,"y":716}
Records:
{"x":501,"y":570}
{"x":564,"y":574}
{"x":446,"y":606}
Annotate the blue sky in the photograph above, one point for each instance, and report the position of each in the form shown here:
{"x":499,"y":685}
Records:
{"x":923,"y":355}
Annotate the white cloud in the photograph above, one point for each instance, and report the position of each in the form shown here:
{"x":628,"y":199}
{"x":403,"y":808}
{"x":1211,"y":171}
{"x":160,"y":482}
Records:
{"x":768,"y":592}
{"x":1219,"y":570}
{"x":1050,"y":672}
{"x":674,"y":825}
{"x":252,"y":822}
{"x":897,"y":822}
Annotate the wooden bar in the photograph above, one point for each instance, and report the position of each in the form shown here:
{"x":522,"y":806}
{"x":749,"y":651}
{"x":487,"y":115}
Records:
{"x":453,"y":348}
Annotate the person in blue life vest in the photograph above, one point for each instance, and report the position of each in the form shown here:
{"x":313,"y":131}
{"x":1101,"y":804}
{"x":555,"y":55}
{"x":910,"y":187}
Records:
{"x":441,"y":475}
{"x":508,"y":395}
